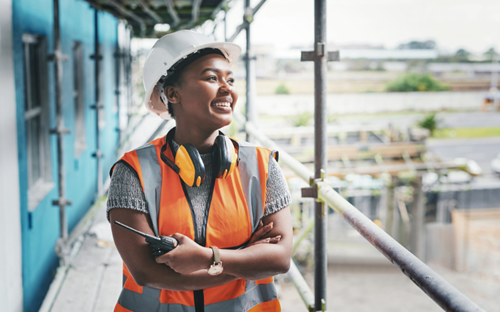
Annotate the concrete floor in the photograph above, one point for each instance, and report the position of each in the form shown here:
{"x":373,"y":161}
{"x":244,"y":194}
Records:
{"x":384,"y":288}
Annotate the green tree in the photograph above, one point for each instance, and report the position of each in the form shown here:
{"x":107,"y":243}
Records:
{"x":490,"y":53}
{"x":430,"y":122}
{"x":301,"y":119}
{"x":282,"y":89}
{"x":413,"y":82}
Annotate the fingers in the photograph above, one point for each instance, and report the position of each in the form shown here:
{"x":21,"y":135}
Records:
{"x":163,"y":259}
{"x":274,"y":240}
{"x":260,"y":232}
{"x":264,"y":230}
{"x":269,"y":240}
{"x":178,"y":237}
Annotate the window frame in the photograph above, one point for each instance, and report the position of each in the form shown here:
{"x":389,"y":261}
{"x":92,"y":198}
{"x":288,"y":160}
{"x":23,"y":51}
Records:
{"x":79,"y":97}
{"x":36,"y":79}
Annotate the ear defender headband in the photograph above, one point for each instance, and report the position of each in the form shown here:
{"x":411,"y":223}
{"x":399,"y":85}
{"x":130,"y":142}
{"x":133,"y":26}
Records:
{"x":189,"y":165}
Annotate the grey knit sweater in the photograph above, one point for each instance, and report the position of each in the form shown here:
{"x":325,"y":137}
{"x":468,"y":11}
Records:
{"x":125,"y":190}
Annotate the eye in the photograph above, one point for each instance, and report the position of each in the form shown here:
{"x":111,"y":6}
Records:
{"x":212,"y":78}
{"x":230,"y":80}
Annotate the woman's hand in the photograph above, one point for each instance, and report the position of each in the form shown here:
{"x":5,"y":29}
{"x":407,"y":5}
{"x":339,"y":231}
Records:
{"x":187,"y":257}
{"x":258,"y":236}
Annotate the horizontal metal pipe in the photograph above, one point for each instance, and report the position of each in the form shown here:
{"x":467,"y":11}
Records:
{"x":242,"y":26}
{"x":300,"y":283}
{"x":437,"y":288}
{"x":145,"y":7}
{"x":173,"y":13}
{"x":294,"y":164}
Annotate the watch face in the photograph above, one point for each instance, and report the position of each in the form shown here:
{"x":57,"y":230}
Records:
{"x":215,"y":269}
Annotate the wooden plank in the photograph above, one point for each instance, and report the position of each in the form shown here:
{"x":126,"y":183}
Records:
{"x":477,"y":240}
{"x":111,"y":285}
{"x":82,"y":281}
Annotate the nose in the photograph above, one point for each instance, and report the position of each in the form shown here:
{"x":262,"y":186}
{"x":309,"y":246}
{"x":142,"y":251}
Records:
{"x":225,"y":87}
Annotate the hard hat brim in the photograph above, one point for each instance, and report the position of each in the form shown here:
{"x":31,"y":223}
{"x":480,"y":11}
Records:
{"x":230,"y":50}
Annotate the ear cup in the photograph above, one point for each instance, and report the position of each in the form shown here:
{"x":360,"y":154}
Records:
{"x":191,"y":167}
{"x":225,"y":157}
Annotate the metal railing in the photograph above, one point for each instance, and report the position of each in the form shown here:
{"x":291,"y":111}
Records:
{"x":437,"y":288}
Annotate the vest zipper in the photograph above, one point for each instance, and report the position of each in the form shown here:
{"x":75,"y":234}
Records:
{"x":199,"y":298}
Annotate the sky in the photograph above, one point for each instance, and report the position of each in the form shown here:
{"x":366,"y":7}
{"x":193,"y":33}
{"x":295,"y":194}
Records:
{"x":453,"y":24}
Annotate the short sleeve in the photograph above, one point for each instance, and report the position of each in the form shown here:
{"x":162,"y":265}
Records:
{"x":125,"y":191}
{"x":277,"y":192}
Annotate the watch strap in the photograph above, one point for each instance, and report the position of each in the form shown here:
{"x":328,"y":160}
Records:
{"x":216,"y":253}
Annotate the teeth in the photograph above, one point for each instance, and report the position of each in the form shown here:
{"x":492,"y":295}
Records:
{"x":223,"y":104}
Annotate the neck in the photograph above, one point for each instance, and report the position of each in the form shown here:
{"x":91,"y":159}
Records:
{"x":202,"y":140}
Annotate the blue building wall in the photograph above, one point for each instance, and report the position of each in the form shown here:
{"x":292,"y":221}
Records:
{"x":40,"y":228}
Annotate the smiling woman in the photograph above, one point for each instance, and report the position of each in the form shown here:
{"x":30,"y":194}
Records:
{"x":225,"y":202}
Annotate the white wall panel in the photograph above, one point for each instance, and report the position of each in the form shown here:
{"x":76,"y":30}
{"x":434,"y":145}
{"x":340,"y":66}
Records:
{"x":11,"y":291}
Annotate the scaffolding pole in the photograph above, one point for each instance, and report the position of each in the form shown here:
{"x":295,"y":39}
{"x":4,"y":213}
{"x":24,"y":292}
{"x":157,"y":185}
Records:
{"x":60,"y":131}
{"x":97,"y":57}
{"x":320,"y":263}
{"x":248,"y":67}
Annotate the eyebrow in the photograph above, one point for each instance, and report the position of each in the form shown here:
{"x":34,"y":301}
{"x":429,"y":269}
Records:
{"x":215,"y":70}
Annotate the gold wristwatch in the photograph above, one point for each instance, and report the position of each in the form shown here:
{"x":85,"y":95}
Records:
{"x":216,"y":268}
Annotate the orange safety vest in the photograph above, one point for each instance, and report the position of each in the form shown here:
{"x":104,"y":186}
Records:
{"x":234,"y":209}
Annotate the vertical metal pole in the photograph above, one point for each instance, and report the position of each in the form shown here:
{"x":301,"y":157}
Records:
{"x":59,"y":124}
{"x":320,"y":261}
{"x":417,"y":242}
{"x":98,"y":104}
{"x":390,"y":206}
{"x":118,"y":63}
{"x":225,"y":24}
{"x":128,"y":75}
{"x":248,"y":106}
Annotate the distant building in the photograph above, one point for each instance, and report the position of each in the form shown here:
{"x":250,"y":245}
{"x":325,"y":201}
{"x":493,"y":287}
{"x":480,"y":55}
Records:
{"x":29,"y":222}
{"x":472,"y":69}
{"x":270,"y":61}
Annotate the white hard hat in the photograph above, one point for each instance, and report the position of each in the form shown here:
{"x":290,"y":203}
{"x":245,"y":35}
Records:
{"x":167,"y":51}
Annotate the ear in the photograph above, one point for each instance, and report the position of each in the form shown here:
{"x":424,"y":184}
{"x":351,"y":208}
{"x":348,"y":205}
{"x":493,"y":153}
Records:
{"x":172,"y":94}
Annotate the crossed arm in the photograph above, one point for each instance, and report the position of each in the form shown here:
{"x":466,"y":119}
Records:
{"x":185,"y":267}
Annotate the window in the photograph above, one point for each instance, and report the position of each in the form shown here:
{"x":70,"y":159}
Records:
{"x":79,"y":98}
{"x":36,"y":118}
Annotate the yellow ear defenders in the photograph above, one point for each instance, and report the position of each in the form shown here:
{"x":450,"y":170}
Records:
{"x":189,"y":165}
{"x":224,"y":157}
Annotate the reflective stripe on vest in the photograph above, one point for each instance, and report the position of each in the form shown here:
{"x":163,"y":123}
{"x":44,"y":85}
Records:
{"x":149,"y":300}
{"x":250,"y":180}
{"x":245,"y":190}
{"x":151,"y":179}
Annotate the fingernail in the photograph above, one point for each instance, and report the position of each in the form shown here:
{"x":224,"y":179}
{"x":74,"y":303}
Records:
{"x":271,"y":225}
{"x":261,"y":224}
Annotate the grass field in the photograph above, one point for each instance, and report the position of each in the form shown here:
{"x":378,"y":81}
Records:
{"x":466,"y":133}
{"x":356,"y":82}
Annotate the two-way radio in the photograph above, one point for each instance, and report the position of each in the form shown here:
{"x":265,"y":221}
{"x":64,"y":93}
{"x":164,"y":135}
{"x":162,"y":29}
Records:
{"x":159,"y":245}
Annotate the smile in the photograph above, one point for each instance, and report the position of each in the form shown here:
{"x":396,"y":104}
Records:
{"x":222,"y":104}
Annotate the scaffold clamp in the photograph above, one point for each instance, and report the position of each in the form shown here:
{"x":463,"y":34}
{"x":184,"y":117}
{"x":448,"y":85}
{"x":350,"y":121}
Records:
{"x":60,"y":131}
{"x":61,"y":202}
{"x":57,"y":56}
{"x":331,"y":56}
